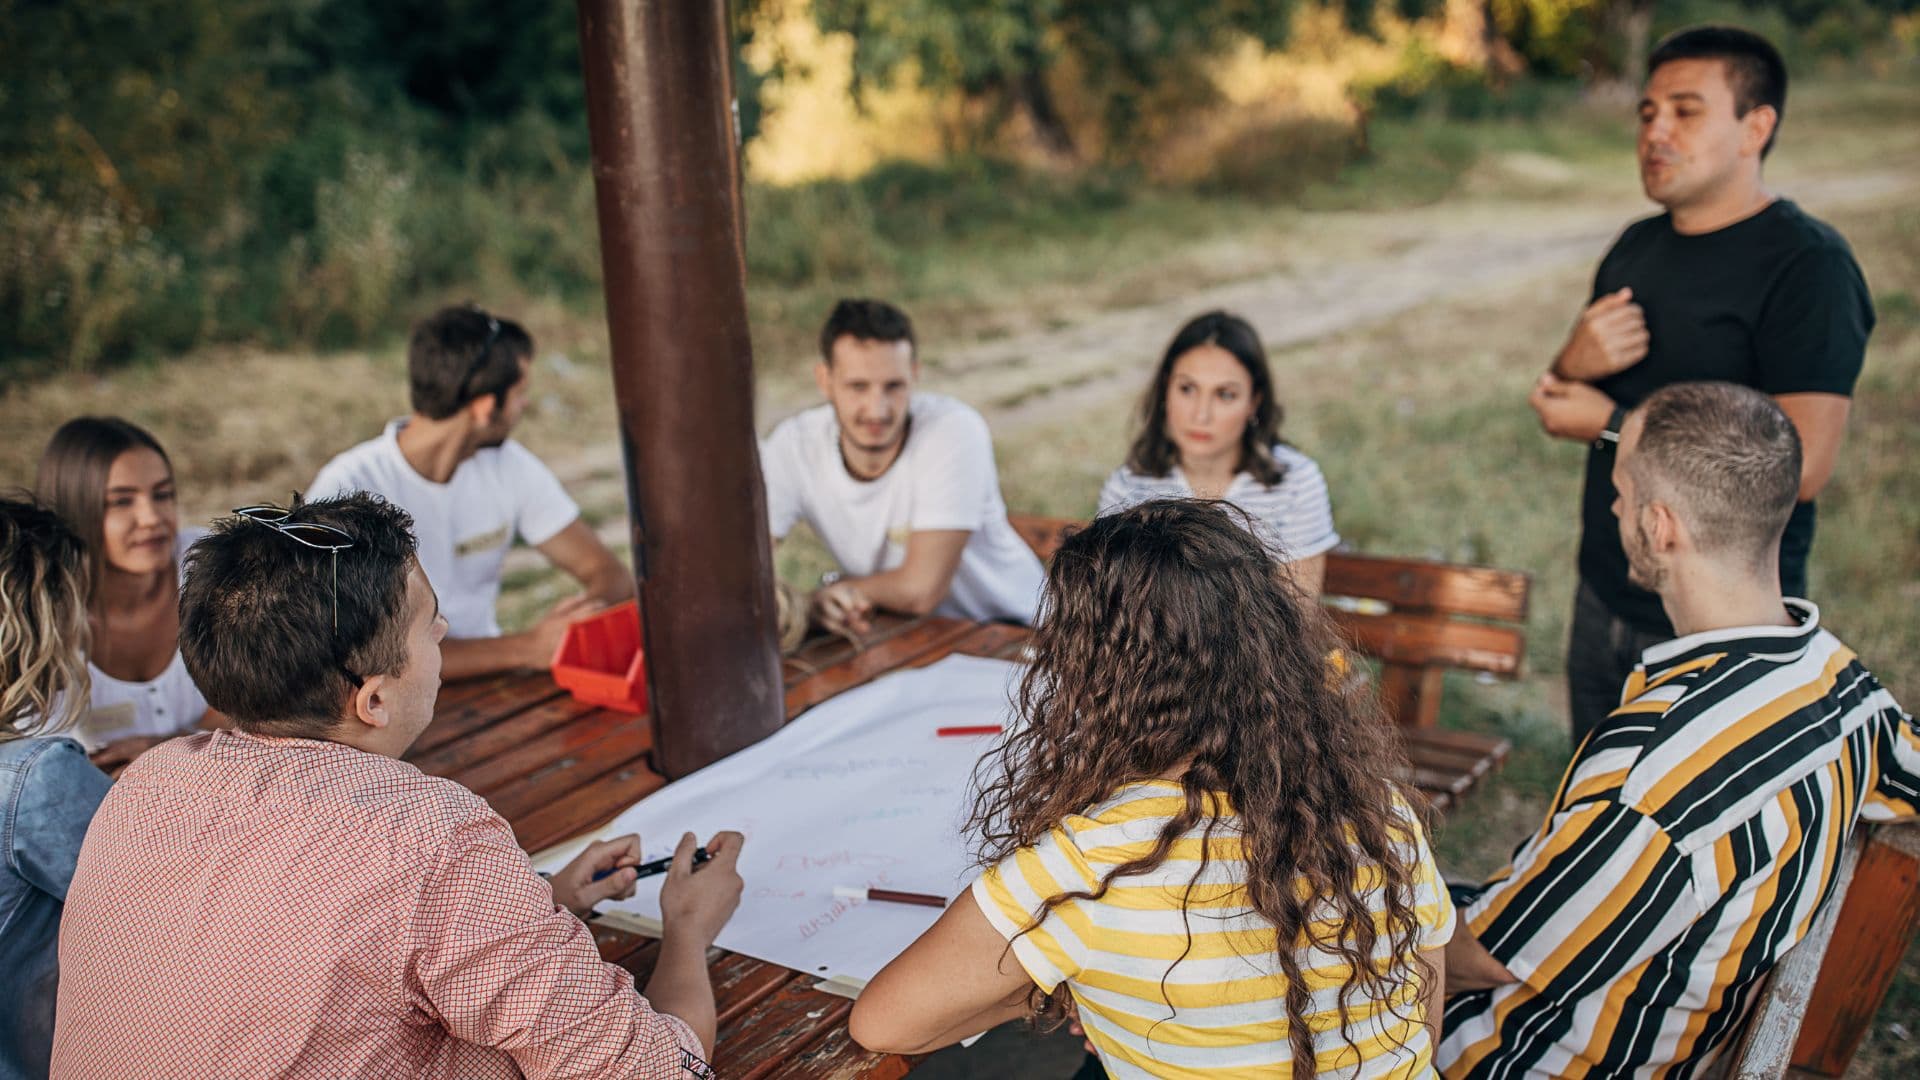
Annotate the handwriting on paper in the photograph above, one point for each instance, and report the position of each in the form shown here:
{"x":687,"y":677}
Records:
{"x":840,"y":906}
{"x":831,"y":859}
{"x":882,"y":813}
{"x":840,"y":770}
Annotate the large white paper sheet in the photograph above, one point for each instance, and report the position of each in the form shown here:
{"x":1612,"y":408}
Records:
{"x":859,"y":791}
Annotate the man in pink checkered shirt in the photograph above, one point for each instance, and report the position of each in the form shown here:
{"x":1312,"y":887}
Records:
{"x":289,"y":899}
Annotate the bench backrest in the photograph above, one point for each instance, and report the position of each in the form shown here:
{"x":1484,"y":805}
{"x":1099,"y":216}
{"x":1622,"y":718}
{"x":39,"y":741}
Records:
{"x":1765,"y":1046}
{"x":1418,"y":618}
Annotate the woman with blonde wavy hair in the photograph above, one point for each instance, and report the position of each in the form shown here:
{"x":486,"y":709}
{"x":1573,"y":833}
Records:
{"x":1191,"y":837}
{"x":48,"y":788}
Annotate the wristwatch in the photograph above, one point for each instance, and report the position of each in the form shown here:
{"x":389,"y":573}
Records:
{"x":829,"y":578}
{"x":1610,"y":436}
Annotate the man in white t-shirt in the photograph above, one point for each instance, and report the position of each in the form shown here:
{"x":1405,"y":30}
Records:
{"x":471,"y":490}
{"x":900,"y":486}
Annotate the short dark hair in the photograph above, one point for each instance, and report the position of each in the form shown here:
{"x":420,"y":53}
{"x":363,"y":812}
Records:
{"x":866,"y":320}
{"x":1726,"y":458}
{"x":1755,"y":70}
{"x":460,"y":354}
{"x":1153,"y":452}
{"x":274,"y":632}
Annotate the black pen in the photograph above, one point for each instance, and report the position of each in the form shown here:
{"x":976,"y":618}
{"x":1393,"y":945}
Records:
{"x":657,"y":866}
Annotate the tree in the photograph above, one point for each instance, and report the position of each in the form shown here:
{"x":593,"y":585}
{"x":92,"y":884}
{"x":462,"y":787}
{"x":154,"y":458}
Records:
{"x":1006,"y":54}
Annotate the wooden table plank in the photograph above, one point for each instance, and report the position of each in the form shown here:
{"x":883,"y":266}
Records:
{"x":754,"y":1043}
{"x":587,"y":807}
{"x":464,"y":708}
{"x":926,"y":639}
{"x":616,"y":945}
{"x":621,"y":746}
{"x":450,"y":758}
{"x":838,"y":1057}
{"x":825,"y":650}
{"x":462,"y":692}
{"x":997,"y":641}
{"x":741,"y":982}
{"x":560,"y":749}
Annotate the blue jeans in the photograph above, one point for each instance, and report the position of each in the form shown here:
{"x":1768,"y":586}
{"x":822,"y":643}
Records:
{"x":48,"y":793}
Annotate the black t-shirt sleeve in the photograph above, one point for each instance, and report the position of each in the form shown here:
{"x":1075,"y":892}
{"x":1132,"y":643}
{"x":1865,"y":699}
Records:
{"x":1606,"y":274}
{"x":1812,"y":334}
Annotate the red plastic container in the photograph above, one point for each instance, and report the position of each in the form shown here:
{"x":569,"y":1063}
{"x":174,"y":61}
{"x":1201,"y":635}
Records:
{"x":601,"y":662}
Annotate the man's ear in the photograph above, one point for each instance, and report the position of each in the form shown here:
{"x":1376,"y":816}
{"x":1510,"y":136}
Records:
{"x":370,"y":702}
{"x":1665,"y":531}
{"x":1760,"y":122}
{"x":481,"y":409}
{"x":823,"y":378}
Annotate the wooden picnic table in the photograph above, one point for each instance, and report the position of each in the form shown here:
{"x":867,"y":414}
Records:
{"x":555,"y":769}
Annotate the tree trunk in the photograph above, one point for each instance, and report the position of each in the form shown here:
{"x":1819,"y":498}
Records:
{"x":1035,"y":98}
{"x":1636,"y":24}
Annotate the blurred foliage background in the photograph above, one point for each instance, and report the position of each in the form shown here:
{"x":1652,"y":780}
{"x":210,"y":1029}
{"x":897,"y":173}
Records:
{"x":306,"y":173}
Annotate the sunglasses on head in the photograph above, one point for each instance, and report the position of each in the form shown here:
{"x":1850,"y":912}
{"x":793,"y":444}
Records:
{"x":480,"y":359}
{"x":318,"y":536}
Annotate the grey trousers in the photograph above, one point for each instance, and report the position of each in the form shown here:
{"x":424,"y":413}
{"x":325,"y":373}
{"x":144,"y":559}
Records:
{"x":1602,"y":650}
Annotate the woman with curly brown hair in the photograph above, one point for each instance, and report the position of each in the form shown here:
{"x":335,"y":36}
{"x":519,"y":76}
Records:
{"x":1192,"y":838}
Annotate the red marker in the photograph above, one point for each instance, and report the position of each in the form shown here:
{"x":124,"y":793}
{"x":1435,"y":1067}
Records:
{"x":977,"y":729}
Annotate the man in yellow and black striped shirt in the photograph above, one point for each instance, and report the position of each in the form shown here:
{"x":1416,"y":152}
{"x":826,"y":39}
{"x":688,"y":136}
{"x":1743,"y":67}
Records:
{"x":1698,"y":829}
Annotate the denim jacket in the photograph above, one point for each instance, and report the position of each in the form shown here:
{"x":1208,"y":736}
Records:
{"x":48,"y":793}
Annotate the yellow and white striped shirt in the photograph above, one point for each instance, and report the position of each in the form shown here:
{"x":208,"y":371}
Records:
{"x":1175,"y":976}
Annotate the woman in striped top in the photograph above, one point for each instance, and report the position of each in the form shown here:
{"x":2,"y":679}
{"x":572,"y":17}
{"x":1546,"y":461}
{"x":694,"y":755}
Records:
{"x":1210,"y":429}
{"x":1190,"y":840}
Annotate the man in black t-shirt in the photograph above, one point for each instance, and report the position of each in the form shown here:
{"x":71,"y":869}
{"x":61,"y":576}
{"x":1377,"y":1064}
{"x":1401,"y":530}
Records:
{"x":1729,"y":284}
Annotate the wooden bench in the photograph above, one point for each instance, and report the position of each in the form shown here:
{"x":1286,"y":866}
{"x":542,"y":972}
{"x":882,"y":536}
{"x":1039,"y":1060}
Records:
{"x":1418,"y":619}
{"x":1817,"y":1003}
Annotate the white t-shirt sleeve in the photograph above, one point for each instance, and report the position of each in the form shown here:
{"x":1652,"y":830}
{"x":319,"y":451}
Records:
{"x":953,"y":474}
{"x":1117,"y":493}
{"x":334,"y":478}
{"x":780,"y":470}
{"x":1305,"y":525}
{"x":542,"y":506}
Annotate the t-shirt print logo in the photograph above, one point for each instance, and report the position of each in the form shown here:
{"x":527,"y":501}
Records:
{"x":110,"y":716}
{"x":692,"y":1063}
{"x":473,"y":545}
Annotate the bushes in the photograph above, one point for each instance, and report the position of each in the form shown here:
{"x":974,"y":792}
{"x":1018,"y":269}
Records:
{"x":78,"y":283}
{"x":183,"y":172}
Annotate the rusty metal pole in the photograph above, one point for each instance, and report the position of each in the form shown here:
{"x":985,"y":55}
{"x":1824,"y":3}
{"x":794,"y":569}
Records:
{"x":666,"y":171}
